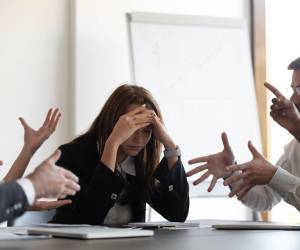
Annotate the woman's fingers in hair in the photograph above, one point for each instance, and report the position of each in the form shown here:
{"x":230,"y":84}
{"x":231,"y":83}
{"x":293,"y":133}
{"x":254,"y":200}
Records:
{"x":142,"y":118}
{"x":141,"y":110}
{"x":142,"y":125}
{"x":137,"y":110}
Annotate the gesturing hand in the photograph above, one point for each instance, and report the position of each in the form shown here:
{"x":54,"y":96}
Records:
{"x":51,"y":181}
{"x":215,"y":164}
{"x":283,"y":111}
{"x":258,"y":171}
{"x":33,"y":139}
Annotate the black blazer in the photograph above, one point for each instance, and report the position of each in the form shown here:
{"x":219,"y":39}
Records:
{"x":100,"y":188}
{"x":13,"y":201}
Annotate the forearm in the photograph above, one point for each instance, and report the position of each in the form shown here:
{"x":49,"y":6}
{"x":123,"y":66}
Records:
{"x":288,"y":186}
{"x":19,"y":166}
{"x":109,"y":154}
{"x":170,"y":145}
{"x":170,"y":194}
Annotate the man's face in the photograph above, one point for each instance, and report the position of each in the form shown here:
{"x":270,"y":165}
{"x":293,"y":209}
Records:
{"x":295,"y":98}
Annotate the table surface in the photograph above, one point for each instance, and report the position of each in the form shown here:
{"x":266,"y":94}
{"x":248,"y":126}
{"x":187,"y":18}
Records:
{"x":189,"y":239}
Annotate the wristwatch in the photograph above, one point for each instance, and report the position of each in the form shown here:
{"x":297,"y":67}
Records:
{"x":172,"y":152}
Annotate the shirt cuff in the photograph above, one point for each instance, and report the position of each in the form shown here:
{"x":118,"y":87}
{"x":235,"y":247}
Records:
{"x":28,"y":189}
{"x":283,"y":181}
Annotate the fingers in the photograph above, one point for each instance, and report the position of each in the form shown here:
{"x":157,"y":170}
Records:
{"x":54,"y":119}
{"x":142,"y":125}
{"x":1,"y":163}
{"x":24,"y":123}
{"x":243,"y":191}
{"x":212,"y":184}
{"x":197,"y":170}
{"x":199,"y":159}
{"x":232,"y":179}
{"x":202,"y":178}
{"x":72,"y":186}
{"x":48,"y":205}
{"x":137,"y":110}
{"x":253,"y":150}
{"x":54,"y":157}
{"x":47,"y":117}
{"x":237,"y":167}
{"x":274,"y":90}
{"x":66,"y":192}
{"x":141,"y":118}
{"x":235,"y":190}
{"x":225,"y":141}
{"x":69,"y":175}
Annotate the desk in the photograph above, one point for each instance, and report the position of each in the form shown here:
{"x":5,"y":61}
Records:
{"x":188,"y":239}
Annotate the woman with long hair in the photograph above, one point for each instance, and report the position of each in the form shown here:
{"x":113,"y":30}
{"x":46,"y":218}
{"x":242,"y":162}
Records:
{"x":118,"y":164}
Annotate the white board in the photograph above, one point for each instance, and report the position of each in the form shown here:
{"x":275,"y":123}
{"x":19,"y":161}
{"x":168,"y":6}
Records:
{"x":199,"y":70}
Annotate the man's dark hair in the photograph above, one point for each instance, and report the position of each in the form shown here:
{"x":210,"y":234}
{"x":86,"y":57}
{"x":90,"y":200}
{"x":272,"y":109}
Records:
{"x":295,"y":65}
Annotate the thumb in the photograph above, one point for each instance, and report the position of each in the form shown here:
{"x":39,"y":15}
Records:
{"x":23,"y":122}
{"x":1,"y":163}
{"x":55,"y":156}
{"x":253,"y":150}
{"x":225,"y":141}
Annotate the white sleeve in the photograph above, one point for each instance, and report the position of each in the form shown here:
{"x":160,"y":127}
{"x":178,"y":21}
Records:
{"x":288,"y":186}
{"x":259,"y":198}
{"x":28,"y":189}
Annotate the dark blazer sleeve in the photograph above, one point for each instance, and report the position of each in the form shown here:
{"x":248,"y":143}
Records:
{"x":100,"y":187}
{"x":13,"y":201}
{"x":169,"y":194}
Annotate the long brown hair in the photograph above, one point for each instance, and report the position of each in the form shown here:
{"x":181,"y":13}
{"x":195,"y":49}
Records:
{"x":116,"y":105}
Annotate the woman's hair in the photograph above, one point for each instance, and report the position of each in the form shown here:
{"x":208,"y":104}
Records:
{"x":117,"y":105}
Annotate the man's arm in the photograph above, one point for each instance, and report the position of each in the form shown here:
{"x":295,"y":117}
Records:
{"x":48,"y":181}
{"x":13,"y":202}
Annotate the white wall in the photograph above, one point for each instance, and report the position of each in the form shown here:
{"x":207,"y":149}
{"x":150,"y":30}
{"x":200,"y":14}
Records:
{"x":101,"y":50}
{"x":33,"y":71}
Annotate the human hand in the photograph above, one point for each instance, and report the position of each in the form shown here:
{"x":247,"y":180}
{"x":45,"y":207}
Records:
{"x":215,"y":164}
{"x":33,"y":139}
{"x":51,"y":181}
{"x":258,"y":171}
{"x":284,"y":111}
{"x":48,"y":205}
{"x":129,"y":123}
{"x":160,"y":132}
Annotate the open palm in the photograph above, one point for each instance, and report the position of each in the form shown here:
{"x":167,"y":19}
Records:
{"x":35,"y":138}
{"x":215,"y":164}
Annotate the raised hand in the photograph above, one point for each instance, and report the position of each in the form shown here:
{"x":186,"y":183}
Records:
{"x":258,"y":171}
{"x":161,"y":134}
{"x":48,"y":205}
{"x":33,"y":139}
{"x":50,"y":181}
{"x":215,"y":164}
{"x":284,"y":111}
{"x":129,"y":123}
